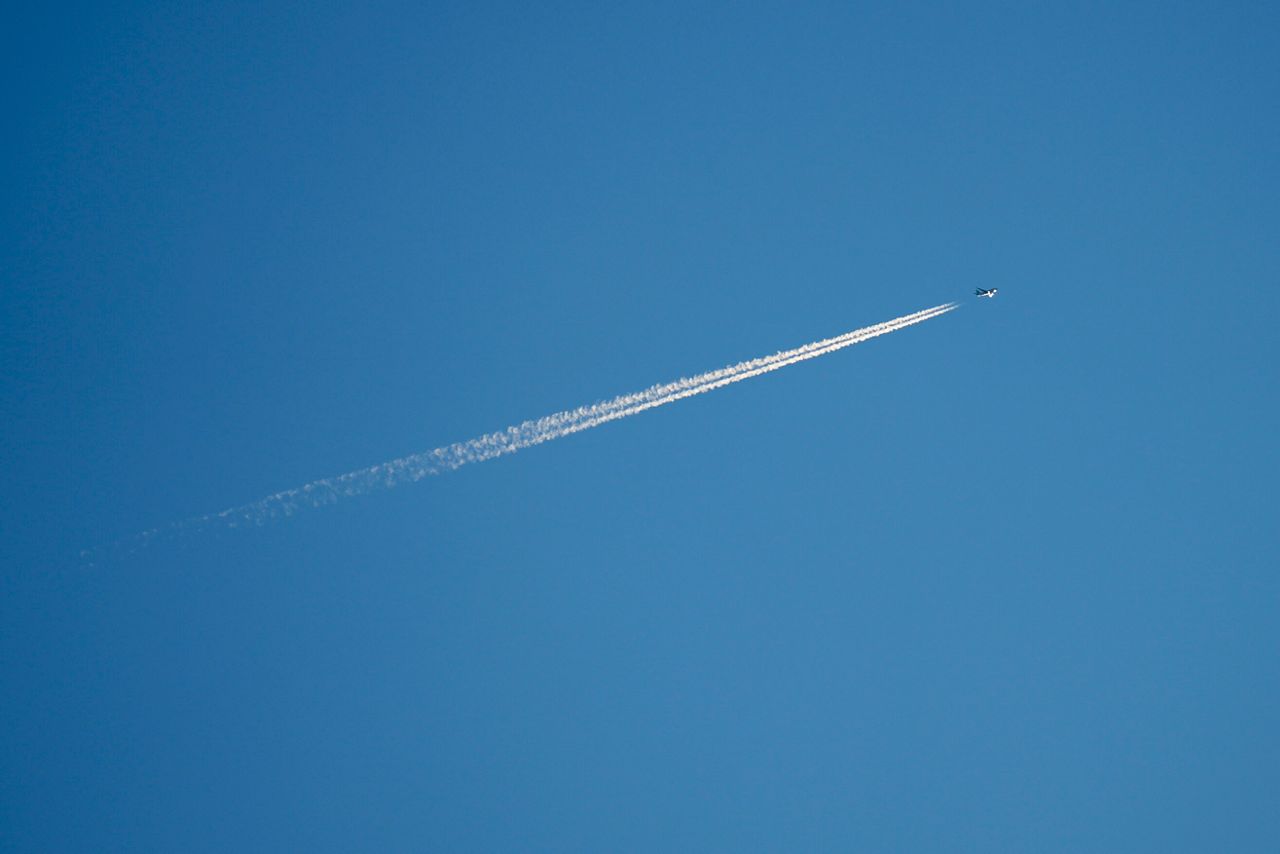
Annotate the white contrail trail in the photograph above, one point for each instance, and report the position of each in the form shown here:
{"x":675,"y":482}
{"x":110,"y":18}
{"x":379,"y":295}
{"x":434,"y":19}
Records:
{"x":524,"y":435}
{"x":565,"y":423}
{"x":725,"y":376}
{"x":598,"y":409}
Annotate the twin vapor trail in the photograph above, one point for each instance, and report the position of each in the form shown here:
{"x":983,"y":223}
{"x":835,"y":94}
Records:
{"x":524,"y":435}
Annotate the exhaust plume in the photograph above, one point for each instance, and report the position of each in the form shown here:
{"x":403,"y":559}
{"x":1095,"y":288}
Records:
{"x":524,"y":435}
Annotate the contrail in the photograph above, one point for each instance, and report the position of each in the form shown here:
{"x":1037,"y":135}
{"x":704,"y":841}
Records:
{"x":524,"y":435}
{"x":659,"y":391}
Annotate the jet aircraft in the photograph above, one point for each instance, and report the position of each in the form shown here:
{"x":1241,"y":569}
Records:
{"x":989,"y":292}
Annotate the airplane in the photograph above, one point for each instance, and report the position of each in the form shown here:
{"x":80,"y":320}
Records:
{"x":990,"y":292}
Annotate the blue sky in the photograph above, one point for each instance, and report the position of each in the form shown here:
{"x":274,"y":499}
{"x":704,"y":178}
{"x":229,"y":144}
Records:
{"x":1001,"y":581}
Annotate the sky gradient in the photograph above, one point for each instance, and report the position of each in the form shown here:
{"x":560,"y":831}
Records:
{"x":1004,"y":580}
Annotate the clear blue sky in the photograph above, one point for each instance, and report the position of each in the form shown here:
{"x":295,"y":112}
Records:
{"x":1002,"y":581}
